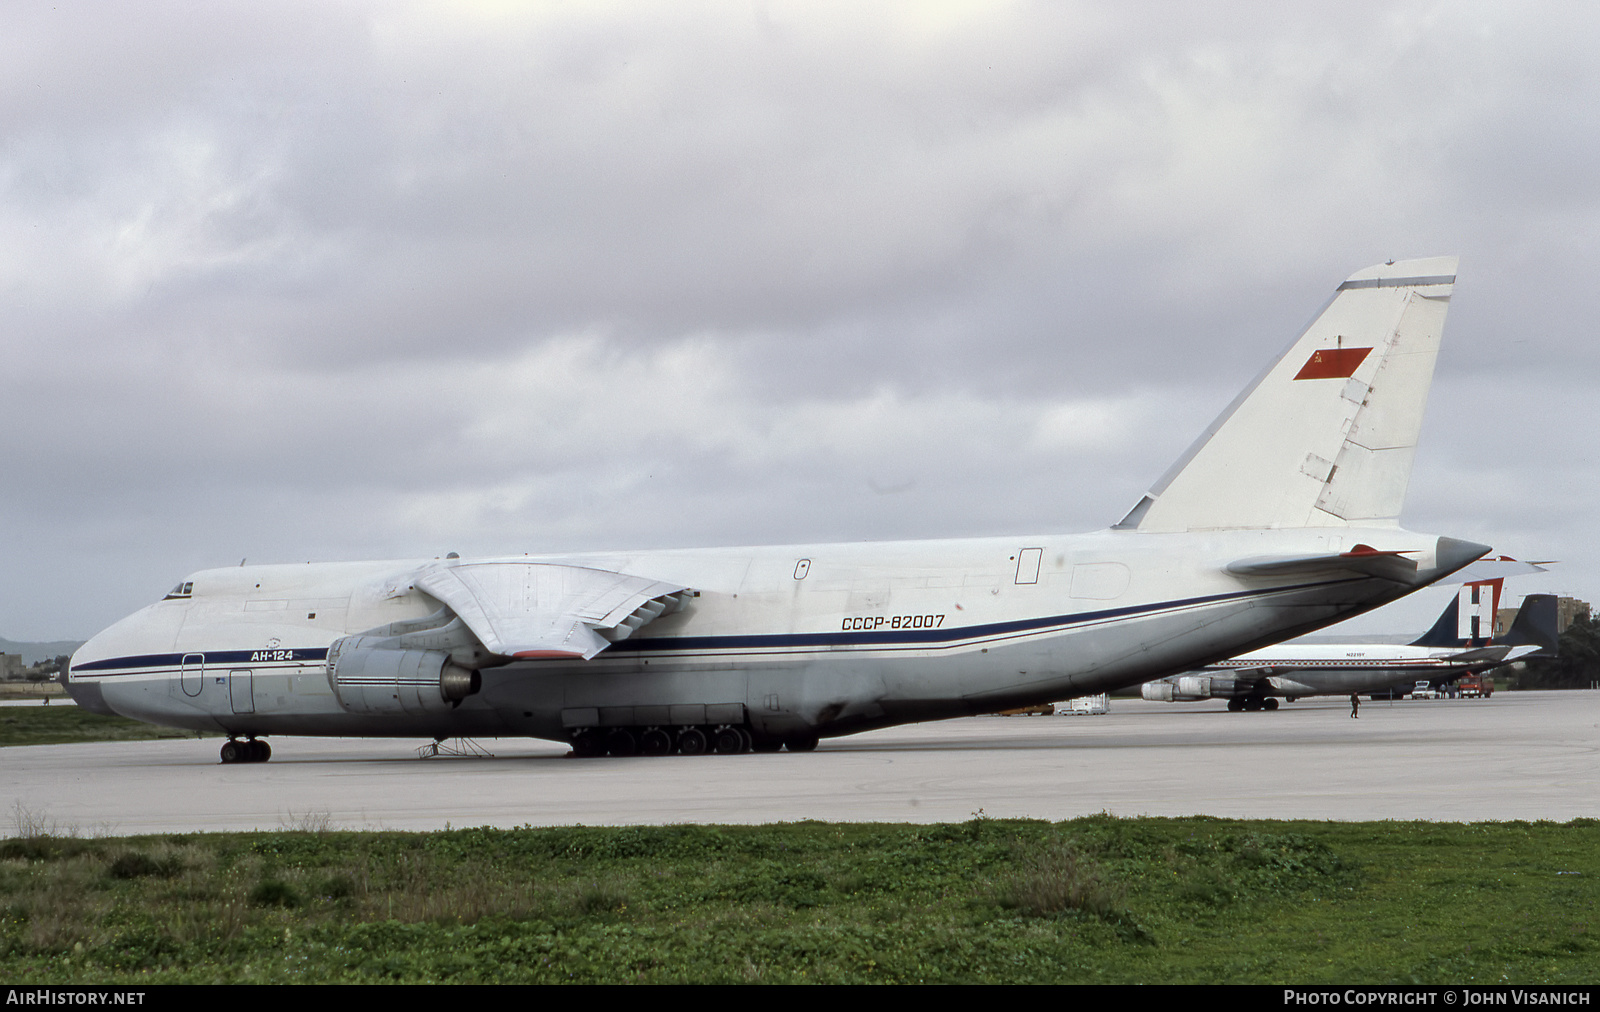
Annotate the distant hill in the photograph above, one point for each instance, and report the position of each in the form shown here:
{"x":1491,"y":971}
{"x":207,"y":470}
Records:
{"x":33,"y":653}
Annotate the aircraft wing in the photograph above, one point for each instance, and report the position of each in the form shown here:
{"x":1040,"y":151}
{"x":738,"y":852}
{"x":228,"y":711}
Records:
{"x":540,"y":609}
{"x":1262,"y":671}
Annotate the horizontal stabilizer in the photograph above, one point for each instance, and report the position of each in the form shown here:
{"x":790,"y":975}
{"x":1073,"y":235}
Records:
{"x":1498,"y":568}
{"x":1361,"y":560}
{"x":1325,"y":437}
{"x":1486,"y":656}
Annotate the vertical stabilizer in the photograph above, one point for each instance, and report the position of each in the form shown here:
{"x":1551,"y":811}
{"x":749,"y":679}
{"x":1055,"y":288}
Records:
{"x":1468,"y":620}
{"x":1325,"y":437}
{"x":1535,"y":625}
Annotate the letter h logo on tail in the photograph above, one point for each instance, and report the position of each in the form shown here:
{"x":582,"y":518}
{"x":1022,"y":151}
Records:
{"x":1476,"y":604}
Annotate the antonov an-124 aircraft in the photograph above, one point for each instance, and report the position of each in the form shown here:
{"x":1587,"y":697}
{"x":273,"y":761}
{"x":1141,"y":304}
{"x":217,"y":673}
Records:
{"x":1280,"y":519}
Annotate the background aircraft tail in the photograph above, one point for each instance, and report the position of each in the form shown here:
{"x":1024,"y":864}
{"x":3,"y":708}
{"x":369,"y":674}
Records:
{"x":1535,"y":625}
{"x":1326,"y":435}
{"x":1468,"y":620}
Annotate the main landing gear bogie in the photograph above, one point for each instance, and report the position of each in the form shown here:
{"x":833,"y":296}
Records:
{"x":725,"y":739}
{"x":1252,"y":704}
{"x":252,"y":750}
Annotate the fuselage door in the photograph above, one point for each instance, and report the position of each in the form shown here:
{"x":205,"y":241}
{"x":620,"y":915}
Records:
{"x":193,"y":677}
{"x":241,"y":690}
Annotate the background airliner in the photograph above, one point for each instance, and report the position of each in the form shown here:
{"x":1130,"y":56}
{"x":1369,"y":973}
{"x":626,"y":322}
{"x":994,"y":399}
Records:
{"x":1280,"y":519}
{"x":1460,"y":643}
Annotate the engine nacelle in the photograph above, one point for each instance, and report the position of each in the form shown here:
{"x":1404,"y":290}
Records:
{"x":1156,"y":692}
{"x":369,"y":677}
{"x":1190,"y":688}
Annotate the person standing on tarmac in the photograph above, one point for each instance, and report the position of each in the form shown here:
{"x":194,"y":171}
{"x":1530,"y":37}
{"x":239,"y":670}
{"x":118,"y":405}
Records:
{"x":1355,"y":706}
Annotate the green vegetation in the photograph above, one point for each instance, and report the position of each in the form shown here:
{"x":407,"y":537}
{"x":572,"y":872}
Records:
{"x":1576,"y":664}
{"x":57,"y":725}
{"x":1096,"y":900}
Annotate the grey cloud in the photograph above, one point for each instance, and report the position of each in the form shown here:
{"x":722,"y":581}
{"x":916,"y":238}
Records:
{"x":280,"y":282}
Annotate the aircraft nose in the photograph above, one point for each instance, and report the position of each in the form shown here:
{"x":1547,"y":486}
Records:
{"x":85,"y":688}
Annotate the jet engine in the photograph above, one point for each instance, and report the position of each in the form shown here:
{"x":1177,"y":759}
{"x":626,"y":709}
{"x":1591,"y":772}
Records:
{"x":371,"y":678}
{"x":1190,"y":688}
{"x":408,"y":668}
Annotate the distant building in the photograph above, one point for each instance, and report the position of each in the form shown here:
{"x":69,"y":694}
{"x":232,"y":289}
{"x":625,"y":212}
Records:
{"x":1568,"y":609}
{"x":10,"y":666}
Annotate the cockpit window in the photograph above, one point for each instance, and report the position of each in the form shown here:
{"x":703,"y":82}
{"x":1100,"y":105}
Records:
{"x":185,"y":589}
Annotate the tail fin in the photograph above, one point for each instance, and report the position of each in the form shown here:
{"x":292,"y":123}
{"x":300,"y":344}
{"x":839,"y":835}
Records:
{"x":1324,"y":437}
{"x":1468,"y":620}
{"x":1535,"y":625}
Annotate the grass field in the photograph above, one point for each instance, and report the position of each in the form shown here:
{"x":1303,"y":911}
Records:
{"x":65,"y":724}
{"x":1091,"y":900}
{"x":32,"y":690}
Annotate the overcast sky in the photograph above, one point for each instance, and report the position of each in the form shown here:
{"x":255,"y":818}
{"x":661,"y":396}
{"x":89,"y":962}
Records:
{"x":327,"y":281}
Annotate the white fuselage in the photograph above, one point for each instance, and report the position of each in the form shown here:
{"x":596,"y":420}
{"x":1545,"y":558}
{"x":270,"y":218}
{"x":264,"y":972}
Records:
{"x":798,"y":640}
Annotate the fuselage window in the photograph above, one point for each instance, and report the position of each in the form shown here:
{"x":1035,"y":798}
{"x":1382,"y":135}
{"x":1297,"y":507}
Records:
{"x":181,"y":590}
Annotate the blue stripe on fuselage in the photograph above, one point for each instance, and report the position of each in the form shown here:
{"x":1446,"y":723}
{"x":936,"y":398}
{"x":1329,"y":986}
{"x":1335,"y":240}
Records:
{"x":296,"y":656}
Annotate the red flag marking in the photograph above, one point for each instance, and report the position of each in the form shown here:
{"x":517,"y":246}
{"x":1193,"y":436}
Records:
{"x":1332,"y":363}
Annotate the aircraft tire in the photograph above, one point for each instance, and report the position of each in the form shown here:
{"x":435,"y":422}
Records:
{"x":728,"y":741}
{"x":1235,"y":705}
{"x":232,"y":751}
{"x":805,"y":744}
{"x":257,"y":751}
{"x":1269,"y":704}
{"x":655,"y":741}
{"x":692,"y":741}
{"x":588,"y":744}
{"x":621,"y":742}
